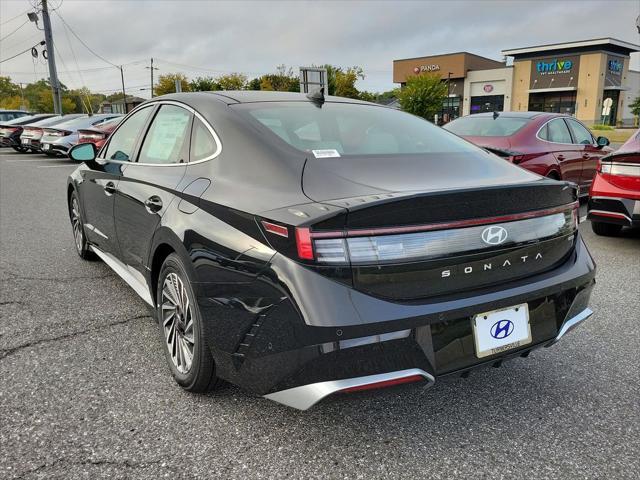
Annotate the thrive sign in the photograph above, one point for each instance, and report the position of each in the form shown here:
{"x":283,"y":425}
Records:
{"x":554,"y":67}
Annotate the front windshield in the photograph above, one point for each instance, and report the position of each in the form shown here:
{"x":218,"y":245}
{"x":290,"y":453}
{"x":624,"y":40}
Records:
{"x":343,"y":129}
{"x":482,"y":126}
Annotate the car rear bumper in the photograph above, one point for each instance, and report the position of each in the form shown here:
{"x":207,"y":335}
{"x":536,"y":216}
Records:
{"x":54,"y":147}
{"x":297,"y":352}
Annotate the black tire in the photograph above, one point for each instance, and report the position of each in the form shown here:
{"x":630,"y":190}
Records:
{"x":79,"y":237}
{"x":200,"y":377}
{"x":20,"y":149}
{"x":606,"y":229}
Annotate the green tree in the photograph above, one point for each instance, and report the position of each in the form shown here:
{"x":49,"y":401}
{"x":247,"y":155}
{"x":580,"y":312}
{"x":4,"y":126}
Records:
{"x":254,"y":84}
{"x":204,"y":84}
{"x":232,"y":81}
{"x":635,"y":107}
{"x":284,"y":80}
{"x":167,"y":83}
{"x":346,"y":82}
{"x":423,"y":95}
{"x":342,"y":82}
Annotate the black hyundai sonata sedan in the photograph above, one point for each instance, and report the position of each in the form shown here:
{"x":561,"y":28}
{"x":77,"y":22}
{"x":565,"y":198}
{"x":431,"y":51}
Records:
{"x":299,"y":246}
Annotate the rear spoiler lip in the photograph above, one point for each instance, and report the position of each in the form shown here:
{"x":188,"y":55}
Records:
{"x":368,"y":232}
{"x":502,"y":152}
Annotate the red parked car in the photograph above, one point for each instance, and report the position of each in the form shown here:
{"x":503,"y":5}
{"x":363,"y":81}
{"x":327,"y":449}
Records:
{"x":549,"y":144}
{"x":615,"y":194}
{"x":98,"y":135}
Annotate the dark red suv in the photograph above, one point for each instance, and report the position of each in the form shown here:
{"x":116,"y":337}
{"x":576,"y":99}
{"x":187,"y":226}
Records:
{"x":549,"y":144}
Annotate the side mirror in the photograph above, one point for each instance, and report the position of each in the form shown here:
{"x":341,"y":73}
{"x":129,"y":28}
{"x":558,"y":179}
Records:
{"x":83,"y":152}
{"x":602,"y":142}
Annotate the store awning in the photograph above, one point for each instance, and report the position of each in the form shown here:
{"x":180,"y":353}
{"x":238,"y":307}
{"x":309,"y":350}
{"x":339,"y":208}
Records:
{"x":557,"y":89}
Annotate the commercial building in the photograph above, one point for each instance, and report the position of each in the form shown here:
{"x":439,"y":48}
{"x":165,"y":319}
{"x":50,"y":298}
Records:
{"x":453,"y":68}
{"x":590,"y":79}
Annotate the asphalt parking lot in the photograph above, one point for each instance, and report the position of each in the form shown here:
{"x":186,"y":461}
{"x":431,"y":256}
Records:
{"x":85,"y":391}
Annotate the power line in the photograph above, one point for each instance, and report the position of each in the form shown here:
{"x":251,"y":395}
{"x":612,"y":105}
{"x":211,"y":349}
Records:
{"x":14,"y":31}
{"x":82,"y":42}
{"x":13,"y":18}
{"x":24,"y":51}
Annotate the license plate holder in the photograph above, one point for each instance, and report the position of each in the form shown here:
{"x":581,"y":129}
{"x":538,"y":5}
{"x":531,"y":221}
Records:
{"x":501,"y":330}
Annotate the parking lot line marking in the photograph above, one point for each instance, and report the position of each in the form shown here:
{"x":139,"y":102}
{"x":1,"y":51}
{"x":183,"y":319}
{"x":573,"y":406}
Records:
{"x":27,"y":160}
{"x":56,"y":166}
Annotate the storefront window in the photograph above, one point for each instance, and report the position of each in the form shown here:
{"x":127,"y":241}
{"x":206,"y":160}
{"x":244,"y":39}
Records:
{"x":553,"y":102}
{"x":487,"y":103}
{"x":450,"y":109}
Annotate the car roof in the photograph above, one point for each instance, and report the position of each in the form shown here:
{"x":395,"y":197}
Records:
{"x":255,"y":96}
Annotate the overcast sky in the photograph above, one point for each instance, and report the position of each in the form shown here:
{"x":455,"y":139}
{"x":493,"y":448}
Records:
{"x":209,"y":37}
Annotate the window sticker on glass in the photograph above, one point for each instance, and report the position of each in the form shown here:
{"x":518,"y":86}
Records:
{"x":166,"y":136}
{"x":327,"y":153}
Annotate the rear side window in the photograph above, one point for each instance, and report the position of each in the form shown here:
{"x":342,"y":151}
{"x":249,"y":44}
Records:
{"x":476,"y":126}
{"x":343,"y":129}
{"x":580,"y":133}
{"x":167,"y":136}
{"x":556,"y":131}
{"x":203,"y":145}
{"x":123,"y":141}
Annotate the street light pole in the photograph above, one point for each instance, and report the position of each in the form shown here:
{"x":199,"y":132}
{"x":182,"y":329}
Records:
{"x":449,"y":96}
{"x":124,"y":95}
{"x":152,"y":68}
{"x":53,"y":73}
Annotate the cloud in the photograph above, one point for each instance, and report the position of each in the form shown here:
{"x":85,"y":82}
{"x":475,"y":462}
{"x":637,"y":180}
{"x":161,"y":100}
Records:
{"x":254,"y":37}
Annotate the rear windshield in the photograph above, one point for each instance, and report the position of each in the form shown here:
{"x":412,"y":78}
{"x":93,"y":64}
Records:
{"x":486,"y":126}
{"x":341,"y":129}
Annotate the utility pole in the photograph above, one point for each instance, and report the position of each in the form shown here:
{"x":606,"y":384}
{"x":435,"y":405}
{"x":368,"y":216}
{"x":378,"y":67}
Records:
{"x":22,"y":105}
{"x":124,"y":95}
{"x":152,"y":68}
{"x":53,"y":73}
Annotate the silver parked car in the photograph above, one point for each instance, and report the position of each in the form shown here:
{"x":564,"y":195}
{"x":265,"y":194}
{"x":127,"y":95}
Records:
{"x":59,"y":139}
{"x":32,"y":132}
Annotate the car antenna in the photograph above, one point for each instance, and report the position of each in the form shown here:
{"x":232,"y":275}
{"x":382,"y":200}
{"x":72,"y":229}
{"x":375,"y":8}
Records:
{"x":496,"y":114}
{"x":317,"y":96}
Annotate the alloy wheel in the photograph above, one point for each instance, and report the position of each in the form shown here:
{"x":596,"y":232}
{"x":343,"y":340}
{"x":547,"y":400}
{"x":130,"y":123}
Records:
{"x":177,"y":322}
{"x":76,"y":224}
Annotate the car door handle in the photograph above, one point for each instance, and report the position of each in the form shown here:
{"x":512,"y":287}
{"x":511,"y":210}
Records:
{"x":109,"y":188}
{"x":153,"y":204}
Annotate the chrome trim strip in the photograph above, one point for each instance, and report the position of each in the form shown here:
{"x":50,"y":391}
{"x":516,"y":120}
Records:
{"x":178,"y":104}
{"x":570,"y":324}
{"x":306,"y":396}
{"x":133,"y":278}
{"x":606,"y":213}
{"x":568,"y":128}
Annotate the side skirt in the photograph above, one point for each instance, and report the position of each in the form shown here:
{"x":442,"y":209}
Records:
{"x":127,"y":273}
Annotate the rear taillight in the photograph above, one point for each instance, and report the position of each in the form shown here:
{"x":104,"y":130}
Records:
{"x":59,"y":133}
{"x":8,"y":130}
{"x":304,"y":243}
{"x":91,"y":137}
{"x":624,"y":165}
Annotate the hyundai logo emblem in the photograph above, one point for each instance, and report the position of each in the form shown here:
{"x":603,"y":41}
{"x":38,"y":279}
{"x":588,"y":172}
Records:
{"x":494,"y":235}
{"x":502,"y":329}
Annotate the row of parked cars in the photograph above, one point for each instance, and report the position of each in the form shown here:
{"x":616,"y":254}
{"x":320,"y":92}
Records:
{"x":53,"y":134}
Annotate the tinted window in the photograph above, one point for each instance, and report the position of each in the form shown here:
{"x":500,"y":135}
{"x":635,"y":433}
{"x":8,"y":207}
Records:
{"x":580,"y":133}
{"x":556,"y":131}
{"x":124,"y":140}
{"x":351,"y":129}
{"x":165,"y":140}
{"x":203,"y":144}
{"x":486,"y":126}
